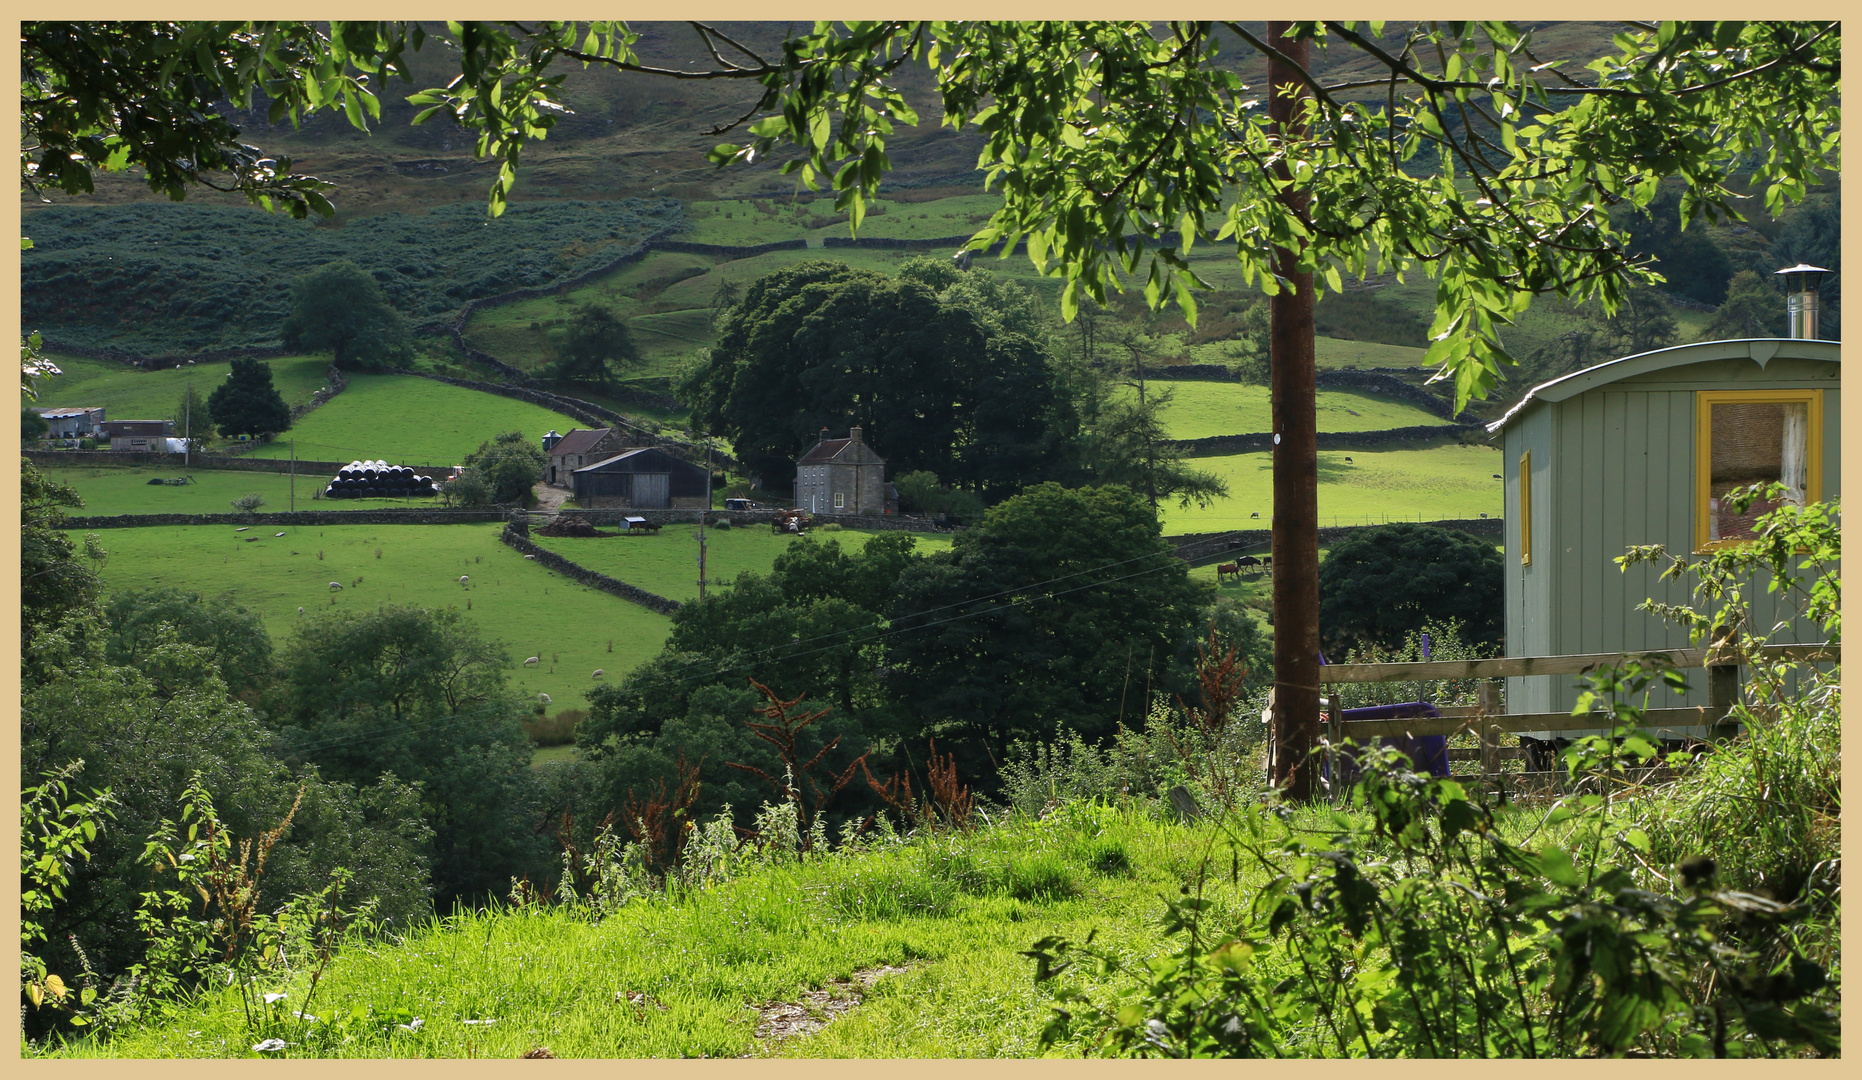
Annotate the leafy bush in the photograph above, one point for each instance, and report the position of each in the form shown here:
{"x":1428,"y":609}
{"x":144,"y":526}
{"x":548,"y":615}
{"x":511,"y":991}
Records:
{"x":249,"y":503}
{"x":1412,"y":929}
{"x":510,"y":465}
{"x":1377,"y":585}
{"x":1768,"y":807}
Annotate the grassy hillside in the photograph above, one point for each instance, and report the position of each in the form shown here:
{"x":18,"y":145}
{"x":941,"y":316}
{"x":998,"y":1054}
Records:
{"x":403,"y":419}
{"x":1201,"y":409}
{"x":130,"y":393}
{"x":534,"y":611}
{"x":1445,"y":481}
{"x":161,"y":279}
{"x":667,"y":562}
{"x":954,"y":913}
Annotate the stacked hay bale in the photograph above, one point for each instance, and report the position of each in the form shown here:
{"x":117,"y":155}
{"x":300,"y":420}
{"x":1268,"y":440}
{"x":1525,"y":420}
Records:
{"x":379,"y":480}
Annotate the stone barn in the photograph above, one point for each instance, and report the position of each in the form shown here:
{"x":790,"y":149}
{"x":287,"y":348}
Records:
{"x":1640,"y":450}
{"x":842,"y":476}
{"x":580,"y":447}
{"x":646,"y":478}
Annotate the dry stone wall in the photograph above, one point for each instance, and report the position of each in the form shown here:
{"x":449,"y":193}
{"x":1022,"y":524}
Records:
{"x":516,"y":535}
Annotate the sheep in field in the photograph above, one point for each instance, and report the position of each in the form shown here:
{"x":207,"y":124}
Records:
{"x":532,"y":661}
{"x":544,"y":698}
{"x":300,"y":611}
{"x":463,"y":580}
{"x":599,"y":672}
{"x":335,"y":586}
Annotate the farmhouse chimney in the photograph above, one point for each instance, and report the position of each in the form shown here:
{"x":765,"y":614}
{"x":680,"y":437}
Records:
{"x":824,"y":434}
{"x":1800,"y":285}
{"x":853,"y":434}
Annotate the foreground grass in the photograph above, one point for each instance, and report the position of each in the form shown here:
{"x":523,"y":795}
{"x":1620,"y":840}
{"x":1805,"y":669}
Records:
{"x":1430,"y":483}
{"x":1199,"y":410}
{"x":956,"y":911}
{"x":667,"y":562}
{"x":130,"y":393}
{"x":532,"y":610}
{"x":412,"y":421}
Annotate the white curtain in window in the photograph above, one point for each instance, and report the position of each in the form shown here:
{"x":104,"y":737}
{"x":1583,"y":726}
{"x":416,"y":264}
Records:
{"x":1794,"y":472}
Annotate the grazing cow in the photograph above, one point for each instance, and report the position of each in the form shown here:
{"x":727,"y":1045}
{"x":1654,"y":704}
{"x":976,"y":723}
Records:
{"x":1227,"y":569}
{"x":599,"y":672}
{"x":1256,"y":514}
{"x":532,"y":661}
{"x":1497,"y":476}
{"x":1249,"y":561}
{"x":1347,"y":461}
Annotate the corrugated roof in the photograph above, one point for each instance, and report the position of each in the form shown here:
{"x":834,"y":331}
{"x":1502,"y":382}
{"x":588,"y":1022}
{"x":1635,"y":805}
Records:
{"x":579,"y":441}
{"x":614,"y":458}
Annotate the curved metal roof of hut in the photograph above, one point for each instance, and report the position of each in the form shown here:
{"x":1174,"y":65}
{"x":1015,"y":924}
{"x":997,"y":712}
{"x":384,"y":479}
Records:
{"x":1760,"y":350}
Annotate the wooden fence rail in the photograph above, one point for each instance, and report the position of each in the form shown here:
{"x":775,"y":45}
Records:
{"x":1572,"y":664}
{"x":1489,"y":720}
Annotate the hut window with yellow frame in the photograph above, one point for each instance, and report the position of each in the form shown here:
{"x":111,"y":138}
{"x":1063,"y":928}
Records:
{"x":1746,"y":437}
{"x":1525,"y":509}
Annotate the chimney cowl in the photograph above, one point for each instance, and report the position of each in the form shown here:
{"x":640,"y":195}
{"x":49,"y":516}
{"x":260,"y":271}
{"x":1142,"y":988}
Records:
{"x":1801,"y":300}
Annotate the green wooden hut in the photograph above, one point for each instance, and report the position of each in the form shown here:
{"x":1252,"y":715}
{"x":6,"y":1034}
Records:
{"x":1638,"y":451}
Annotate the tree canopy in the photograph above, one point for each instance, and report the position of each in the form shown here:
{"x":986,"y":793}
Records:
{"x":247,"y":403}
{"x":509,"y":465}
{"x":1467,"y":150}
{"x":594,"y":348}
{"x":938,"y":388}
{"x":1019,"y":630}
{"x":1379,"y":584}
{"x":341,"y":308}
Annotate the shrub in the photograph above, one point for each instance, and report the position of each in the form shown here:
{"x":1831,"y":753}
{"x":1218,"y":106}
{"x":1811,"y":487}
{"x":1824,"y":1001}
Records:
{"x":249,"y":503}
{"x":1412,"y":929}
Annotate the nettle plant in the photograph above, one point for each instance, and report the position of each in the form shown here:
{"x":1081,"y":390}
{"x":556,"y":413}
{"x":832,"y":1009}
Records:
{"x":1412,"y":928}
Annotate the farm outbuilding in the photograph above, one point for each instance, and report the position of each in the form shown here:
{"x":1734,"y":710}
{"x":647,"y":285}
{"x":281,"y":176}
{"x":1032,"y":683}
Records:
{"x":579,"y":448}
{"x":1640,"y":450}
{"x":646,"y":478}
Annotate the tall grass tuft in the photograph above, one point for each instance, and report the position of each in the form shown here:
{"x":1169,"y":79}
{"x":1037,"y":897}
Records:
{"x":557,"y":730}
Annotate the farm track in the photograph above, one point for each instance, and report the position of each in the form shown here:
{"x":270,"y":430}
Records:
{"x":780,"y":1021}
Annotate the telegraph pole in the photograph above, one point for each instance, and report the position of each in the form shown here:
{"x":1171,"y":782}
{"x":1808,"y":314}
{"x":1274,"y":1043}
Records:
{"x":187,"y":428}
{"x":1296,"y":455}
{"x":701,"y":522}
{"x":294,"y":474}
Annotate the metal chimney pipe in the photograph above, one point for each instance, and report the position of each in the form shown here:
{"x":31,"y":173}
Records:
{"x":1800,"y":283}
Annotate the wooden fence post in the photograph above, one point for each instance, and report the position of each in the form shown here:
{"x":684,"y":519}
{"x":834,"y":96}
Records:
{"x":1723,"y":692}
{"x":1490,"y":738}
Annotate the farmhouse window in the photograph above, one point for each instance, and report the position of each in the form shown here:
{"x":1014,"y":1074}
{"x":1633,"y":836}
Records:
{"x":1525,"y":509}
{"x":840,"y":500}
{"x":1746,"y":437}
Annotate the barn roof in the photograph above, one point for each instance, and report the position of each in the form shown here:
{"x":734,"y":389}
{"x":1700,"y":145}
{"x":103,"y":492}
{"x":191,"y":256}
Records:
{"x":654,"y":453}
{"x":580,"y":441}
{"x":1760,"y":350}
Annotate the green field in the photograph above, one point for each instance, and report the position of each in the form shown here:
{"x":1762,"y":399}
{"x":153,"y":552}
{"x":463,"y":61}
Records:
{"x":667,"y":562}
{"x":1199,"y":410}
{"x":1443,"y":481}
{"x":532,"y":610}
{"x":130,"y":393}
{"x":417,"y":421}
{"x":128,"y":491}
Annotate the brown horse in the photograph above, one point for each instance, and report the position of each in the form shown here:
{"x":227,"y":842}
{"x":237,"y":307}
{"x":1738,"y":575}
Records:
{"x":1225,"y":569}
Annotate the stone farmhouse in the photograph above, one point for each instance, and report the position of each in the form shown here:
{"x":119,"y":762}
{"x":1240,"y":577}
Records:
{"x":842,"y":476}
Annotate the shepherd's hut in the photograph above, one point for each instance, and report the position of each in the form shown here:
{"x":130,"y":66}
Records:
{"x":1640,"y":450}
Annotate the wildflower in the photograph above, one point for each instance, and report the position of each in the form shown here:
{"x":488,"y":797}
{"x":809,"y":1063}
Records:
{"x":273,"y":999}
{"x":269,"y":1046}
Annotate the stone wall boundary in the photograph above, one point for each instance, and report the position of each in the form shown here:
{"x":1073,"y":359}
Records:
{"x":411,"y":516}
{"x":516,"y":535}
{"x":1201,"y":547}
{"x":205,"y":462}
{"x":1216,"y":445}
{"x":609,"y":517}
